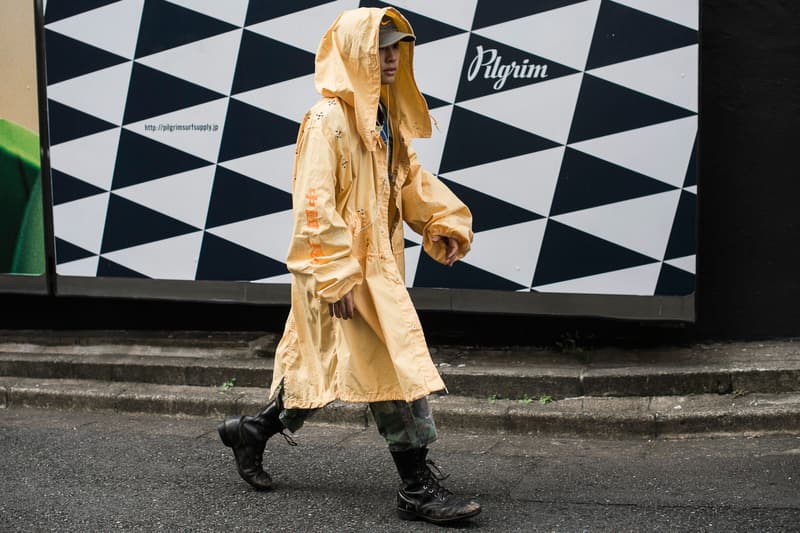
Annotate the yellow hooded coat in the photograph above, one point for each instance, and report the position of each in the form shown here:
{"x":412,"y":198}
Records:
{"x":348,"y":234}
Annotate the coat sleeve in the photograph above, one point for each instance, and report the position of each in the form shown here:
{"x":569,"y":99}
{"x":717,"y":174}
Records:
{"x":321,"y":241}
{"x":430,"y":208}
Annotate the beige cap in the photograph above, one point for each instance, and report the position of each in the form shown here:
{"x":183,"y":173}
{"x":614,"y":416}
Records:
{"x":389,"y":34}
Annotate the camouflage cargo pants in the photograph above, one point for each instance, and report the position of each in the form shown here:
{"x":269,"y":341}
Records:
{"x":404,"y":425}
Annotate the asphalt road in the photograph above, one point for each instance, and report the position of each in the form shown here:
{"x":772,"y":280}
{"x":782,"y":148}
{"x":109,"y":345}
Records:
{"x":81,"y":471}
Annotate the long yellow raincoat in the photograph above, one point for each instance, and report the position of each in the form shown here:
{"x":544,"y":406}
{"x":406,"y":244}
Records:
{"x":348,"y":233}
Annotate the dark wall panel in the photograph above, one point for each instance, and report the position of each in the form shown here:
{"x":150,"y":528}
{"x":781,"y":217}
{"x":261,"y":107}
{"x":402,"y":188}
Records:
{"x":749,"y":222}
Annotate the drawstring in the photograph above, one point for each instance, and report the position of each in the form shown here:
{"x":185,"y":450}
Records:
{"x":377,"y":137}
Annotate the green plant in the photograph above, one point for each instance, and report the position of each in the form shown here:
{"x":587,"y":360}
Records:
{"x":544,"y":399}
{"x":571,"y":342}
{"x":228,"y":385}
{"x":574,"y":342}
{"x":525,"y":399}
{"x":493,"y":398}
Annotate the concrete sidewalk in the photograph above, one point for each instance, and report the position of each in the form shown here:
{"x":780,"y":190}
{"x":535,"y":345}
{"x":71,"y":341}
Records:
{"x":712,"y":388}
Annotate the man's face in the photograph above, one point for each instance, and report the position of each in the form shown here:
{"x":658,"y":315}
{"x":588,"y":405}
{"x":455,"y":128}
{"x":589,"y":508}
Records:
{"x":390,"y":59}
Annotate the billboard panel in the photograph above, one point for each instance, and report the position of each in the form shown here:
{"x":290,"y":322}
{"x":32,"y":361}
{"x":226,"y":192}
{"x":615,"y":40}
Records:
{"x":568,"y":127}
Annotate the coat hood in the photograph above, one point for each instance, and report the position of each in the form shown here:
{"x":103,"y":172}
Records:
{"x":348,"y":67}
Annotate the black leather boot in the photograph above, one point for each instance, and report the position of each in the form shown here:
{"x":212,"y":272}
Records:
{"x":248,"y":436}
{"x":422,"y":497}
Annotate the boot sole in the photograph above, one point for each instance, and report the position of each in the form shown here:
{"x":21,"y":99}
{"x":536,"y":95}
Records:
{"x":411,"y":515}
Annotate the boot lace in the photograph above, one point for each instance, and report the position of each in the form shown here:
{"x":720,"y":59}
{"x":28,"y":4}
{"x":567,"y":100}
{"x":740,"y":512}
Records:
{"x":431,"y":476}
{"x":289,"y":440}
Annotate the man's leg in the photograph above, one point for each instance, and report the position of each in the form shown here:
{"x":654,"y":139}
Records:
{"x":248,"y":436}
{"x":408,"y":430}
{"x":405,"y":426}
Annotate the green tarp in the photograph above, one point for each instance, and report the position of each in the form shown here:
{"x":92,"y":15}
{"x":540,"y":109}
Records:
{"x":21,"y":212}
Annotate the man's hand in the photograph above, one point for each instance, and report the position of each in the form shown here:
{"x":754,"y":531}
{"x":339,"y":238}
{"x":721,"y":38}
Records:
{"x":344,"y":308}
{"x":451,"y":245}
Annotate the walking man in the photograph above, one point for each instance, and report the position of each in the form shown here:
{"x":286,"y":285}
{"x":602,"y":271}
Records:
{"x":352,"y":333}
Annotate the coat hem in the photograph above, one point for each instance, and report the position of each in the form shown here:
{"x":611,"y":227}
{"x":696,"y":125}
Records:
{"x":291,"y":402}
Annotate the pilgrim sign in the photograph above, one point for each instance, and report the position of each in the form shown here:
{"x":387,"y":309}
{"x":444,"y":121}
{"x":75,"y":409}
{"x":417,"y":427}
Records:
{"x":568,"y":127}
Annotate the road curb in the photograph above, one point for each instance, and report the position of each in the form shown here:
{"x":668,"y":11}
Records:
{"x":610,"y":391}
{"x":585,"y":416}
{"x":482,"y":375}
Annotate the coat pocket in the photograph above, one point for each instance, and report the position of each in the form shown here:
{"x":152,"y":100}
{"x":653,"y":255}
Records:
{"x":360,"y":225}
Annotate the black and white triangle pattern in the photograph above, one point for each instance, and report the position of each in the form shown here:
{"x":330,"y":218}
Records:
{"x":568,"y":126}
